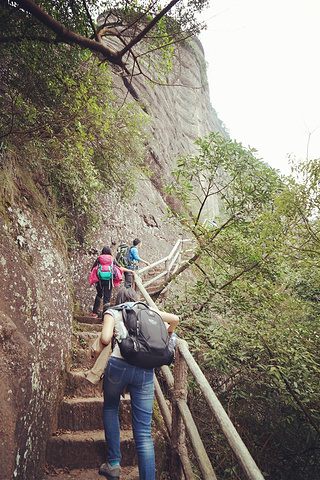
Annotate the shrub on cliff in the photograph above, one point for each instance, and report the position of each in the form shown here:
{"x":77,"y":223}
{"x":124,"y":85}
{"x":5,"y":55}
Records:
{"x":66,"y":132}
{"x":250,"y":309}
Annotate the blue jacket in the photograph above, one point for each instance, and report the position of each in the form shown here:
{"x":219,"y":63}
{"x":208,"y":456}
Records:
{"x":134,"y":258}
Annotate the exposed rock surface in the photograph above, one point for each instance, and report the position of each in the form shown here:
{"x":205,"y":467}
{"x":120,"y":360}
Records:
{"x":40,"y":284}
{"x":180,"y":112}
{"x":35,"y":338}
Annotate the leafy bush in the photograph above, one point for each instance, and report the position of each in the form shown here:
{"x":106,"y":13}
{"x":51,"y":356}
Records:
{"x":250,"y":308}
{"x":65,"y":127}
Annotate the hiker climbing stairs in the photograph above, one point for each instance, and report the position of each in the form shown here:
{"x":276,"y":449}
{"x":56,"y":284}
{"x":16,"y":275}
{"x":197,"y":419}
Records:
{"x":77,"y":448}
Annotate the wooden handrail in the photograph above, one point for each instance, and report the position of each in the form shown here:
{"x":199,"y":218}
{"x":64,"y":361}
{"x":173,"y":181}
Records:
{"x":174,"y":249}
{"x":173,"y":260}
{"x":164,"y":409}
{"x":154,"y":279}
{"x":143,"y":290}
{"x":155,"y":264}
{"x":169,"y":262}
{"x":201,"y":454}
{"x":238,"y":447}
{"x":166,"y":414}
{"x":179,"y":392}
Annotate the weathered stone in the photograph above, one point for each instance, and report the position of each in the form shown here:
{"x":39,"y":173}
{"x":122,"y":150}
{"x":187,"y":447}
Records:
{"x":7,"y":327}
{"x":180,"y":112}
{"x":36,"y":320}
{"x":86,"y":414}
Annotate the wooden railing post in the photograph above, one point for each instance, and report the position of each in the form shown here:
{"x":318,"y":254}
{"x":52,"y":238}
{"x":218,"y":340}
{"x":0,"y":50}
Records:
{"x":178,"y":432}
{"x":182,"y":420}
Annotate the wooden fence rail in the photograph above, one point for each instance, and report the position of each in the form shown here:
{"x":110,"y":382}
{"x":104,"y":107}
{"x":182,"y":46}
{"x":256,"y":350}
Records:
{"x":245,"y":460}
{"x":170,"y":261}
{"x":180,"y":418}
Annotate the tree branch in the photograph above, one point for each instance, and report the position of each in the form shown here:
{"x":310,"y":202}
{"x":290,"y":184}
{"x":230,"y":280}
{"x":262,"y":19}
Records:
{"x":90,"y":20}
{"x":67,"y":35}
{"x":147,"y":29}
{"x":245,"y":270}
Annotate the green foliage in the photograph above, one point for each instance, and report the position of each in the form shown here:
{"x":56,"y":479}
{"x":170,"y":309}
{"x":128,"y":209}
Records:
{"x":227,"y":172}
{"x":250,"y":309}
{"x":228,"y":176}
{"x":63,"y":124}
{"x":261,"y":356}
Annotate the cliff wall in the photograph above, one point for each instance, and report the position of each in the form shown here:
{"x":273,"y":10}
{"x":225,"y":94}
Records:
{"x":35,"y":338}
{"x":179,"y":112}
{"x":42,"y":284}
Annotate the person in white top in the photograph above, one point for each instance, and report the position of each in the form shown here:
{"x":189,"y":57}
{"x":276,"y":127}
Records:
{"x":119,"y":375}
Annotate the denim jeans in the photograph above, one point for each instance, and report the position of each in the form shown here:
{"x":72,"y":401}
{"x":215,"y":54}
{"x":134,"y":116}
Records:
{"x":119,"y":374}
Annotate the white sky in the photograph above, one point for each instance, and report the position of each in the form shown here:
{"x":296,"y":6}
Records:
{"x":264,"y":74}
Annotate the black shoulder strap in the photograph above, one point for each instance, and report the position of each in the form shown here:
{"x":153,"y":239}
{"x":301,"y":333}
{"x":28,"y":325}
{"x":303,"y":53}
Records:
{"x":119,"y":307}
{"x":140,"y":304}
{"x":130,"y":320}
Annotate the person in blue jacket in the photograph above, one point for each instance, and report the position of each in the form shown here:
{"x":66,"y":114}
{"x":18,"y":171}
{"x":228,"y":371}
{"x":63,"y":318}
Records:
{"x":134,"y":260}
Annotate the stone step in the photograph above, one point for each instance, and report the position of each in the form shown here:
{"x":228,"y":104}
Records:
{"x":88,"y":336}
{"x":79,"y":414}
{"x":90,"y":327}
{"x":78,"y":386}
{"x":86,"y":449}
{"x":127,"y":473}
{"x":88,"y":318}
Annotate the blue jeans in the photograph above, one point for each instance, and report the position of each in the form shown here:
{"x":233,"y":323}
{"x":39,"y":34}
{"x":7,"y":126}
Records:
{"x":118,"y":375}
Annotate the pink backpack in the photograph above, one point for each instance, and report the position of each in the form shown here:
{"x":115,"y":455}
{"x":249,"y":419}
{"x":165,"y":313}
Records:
{"x":102,"y":271}
{"x":105,"y":267}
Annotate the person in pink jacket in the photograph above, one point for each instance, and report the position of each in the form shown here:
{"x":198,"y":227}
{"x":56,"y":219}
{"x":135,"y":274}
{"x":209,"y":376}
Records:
{"x":104,"y":287}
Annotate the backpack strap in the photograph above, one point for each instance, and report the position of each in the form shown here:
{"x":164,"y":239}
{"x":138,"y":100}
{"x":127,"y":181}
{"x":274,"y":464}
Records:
{"x":130,"y":320}
{"x":130,"y":317}
{"x":121,"y":308}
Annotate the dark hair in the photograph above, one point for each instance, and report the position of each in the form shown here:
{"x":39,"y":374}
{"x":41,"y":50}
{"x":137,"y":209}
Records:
{"x":126,"y":294}
{"x":136,"y":241}
{"x":106,"y":251}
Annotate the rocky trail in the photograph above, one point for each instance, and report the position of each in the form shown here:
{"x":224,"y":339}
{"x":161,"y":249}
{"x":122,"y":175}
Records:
{"x":77,"y":448}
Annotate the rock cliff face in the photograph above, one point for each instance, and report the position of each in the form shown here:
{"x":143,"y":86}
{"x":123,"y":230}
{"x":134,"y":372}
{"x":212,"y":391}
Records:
{"x":179,"y":112}
{"x":41,"y":285}
{"x":35,"y":338}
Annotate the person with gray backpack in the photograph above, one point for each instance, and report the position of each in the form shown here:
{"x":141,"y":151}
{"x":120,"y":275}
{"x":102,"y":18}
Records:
{"x":126,"y":371}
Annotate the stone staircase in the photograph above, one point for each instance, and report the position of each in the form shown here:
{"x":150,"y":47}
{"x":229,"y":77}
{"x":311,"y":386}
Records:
{"x":77,"y":448}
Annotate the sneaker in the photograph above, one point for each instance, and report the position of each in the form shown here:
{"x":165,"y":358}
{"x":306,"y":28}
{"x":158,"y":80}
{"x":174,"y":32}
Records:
{"x":112,"y":473}
{"x":95,"y":315}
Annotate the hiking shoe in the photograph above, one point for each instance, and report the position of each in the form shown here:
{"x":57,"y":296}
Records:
{"x":112,"y":473}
